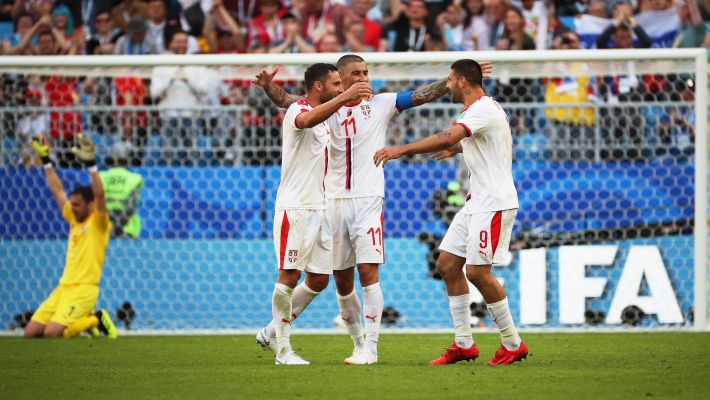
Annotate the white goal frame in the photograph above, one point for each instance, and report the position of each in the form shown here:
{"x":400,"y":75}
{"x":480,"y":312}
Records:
{"x":698,"y":56}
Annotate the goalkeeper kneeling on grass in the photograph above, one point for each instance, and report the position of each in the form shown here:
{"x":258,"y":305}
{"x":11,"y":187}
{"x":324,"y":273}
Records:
{"x":69,"y":309}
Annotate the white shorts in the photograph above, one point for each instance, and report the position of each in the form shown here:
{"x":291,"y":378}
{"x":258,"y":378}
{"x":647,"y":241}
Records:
{"x":303,"y":240}
{"x":482,"y":238}
{"x":358,"y":231}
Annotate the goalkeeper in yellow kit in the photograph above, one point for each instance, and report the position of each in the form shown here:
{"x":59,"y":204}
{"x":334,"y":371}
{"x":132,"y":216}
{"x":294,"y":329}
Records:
{"x":69,"y":309}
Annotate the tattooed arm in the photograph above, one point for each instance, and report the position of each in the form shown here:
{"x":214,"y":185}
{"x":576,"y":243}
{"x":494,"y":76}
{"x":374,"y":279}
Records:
{"x":438,"y":142}
{"x":275,"y":92}
{"x":431,"y":92}
{"x":438,"y":88}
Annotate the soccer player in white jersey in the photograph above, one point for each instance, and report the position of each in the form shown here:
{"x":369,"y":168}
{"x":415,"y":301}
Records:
{"x":302,"y":234}
{"x":355,"y":190}
{"x":479,"y":235}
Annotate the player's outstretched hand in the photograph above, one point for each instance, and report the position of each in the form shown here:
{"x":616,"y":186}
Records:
{"x":486,"y":69}
{"x":264,"y":78}
{"x":443,"y":154}
{"x":360,"y":90}
{"x":40,"y":146}
{"x":86,"y":152}
{"x":385,"y":154}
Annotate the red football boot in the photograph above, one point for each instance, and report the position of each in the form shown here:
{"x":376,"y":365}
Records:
{"x":455,"y":354}
{"x":504,"y":356}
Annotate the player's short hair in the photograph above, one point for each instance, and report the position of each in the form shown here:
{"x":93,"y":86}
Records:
{"x":470,"y":70}
{"x":348,"y":59}
{"x":317,"y":72}
{"x":85,"y":192}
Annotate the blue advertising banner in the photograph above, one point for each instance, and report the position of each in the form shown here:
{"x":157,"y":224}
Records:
{"x":227,"y":284}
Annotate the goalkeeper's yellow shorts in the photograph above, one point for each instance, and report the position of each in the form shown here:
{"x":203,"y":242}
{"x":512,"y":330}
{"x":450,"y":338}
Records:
{"x":67,"y":304}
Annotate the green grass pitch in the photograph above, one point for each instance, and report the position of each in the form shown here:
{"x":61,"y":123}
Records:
{"x":596,"y":366}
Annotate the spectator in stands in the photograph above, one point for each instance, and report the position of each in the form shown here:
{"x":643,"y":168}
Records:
{"x":23,"y":23}
{"x":98,"y":91}
{"x":135,"y":41}
{"x":675,"y":131}
{"x":103,"y":41}
{"x":496,"y":10}
{"x":693,"y":32}
{"x":373,"y":30}
{"x":243,"y":11}
{"x":294,"y":41}
{"x":536,"y":21}
{"x":355,"y":38}
{"x":267,"y":27}
{"x":127,"y":10}
{"x":622,"y":29}
{"x":571,"y":129}
{"x":221,"y":31}
{"x":50,"y":42}
{"x":36,"y":8}
{"x":598,"y":8}
{"x":409,"y":32}
{"x":568,"y":8}
{"x":660,"y":5}
{"x":156,"y":16}
{"x":623,"y":125}
{"x":450,"y":24}
{"x":329,"y":44}
{"x":30,"y":125}
{"x":514,"y":36}
{"x":321,"y":16}
{"x":6,"y":10}
{"x":89,"y":9}
{"x":517,"y":90}
{"x":177,"y":90}
{"x":63,"y":21}
{"x":131,"y":91}
{"x":64,"y":126}
{"x":477,"y":31}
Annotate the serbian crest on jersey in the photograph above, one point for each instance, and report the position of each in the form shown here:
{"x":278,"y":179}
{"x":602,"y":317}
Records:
{"x":366,"y":110}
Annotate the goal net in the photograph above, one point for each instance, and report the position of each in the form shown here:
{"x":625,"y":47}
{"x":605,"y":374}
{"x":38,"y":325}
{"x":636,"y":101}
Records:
{"x":610,"y":163}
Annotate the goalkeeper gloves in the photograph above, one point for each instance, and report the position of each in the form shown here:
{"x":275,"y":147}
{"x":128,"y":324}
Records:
{"x":40,"y":146}
{"x":86,"y":152}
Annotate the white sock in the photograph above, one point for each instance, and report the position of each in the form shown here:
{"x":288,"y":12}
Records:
{"x":374,"y":303}
{"x":461,"y":315}
{"x":350,"y":311}
{"x":302,"y":297}
{"x":500,"y":312}
{"x":281,"y":311}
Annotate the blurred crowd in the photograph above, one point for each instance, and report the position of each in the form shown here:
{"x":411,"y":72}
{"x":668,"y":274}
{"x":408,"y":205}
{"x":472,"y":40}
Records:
{"x":98,"y":27}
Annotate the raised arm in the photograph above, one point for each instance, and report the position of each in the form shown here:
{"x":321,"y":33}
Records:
{"x":98,"y":188}
{"x":437,"y":89}
{"x":323,"y":111}
{"x":275,"y":92}
{"x":30,"y":33}
{"x":41,"y":147}
{"x":438,"y":142}
{"x":232,"y":25}
{"x":86,"y":152}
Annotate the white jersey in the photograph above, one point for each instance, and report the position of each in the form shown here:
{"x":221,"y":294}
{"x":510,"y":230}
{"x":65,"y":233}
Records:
{"x":488,"y":152}
{"x":357,"y":132}
{"x":304,"y":162}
